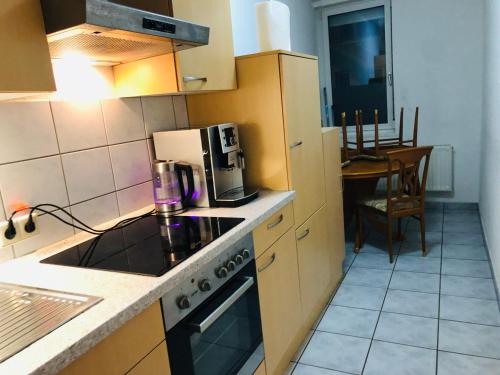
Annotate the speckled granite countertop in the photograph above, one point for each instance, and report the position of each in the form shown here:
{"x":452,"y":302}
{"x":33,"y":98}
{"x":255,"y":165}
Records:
{"x":125,"y":295}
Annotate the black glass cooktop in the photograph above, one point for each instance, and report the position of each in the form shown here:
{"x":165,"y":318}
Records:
{"x":150,"y":246}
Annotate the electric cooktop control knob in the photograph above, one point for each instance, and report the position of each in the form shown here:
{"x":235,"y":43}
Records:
{"x":204,"y":285}
{"x":245,"y":254}
{"x":221,"y":272}
{"x":238,"y":259}
{"x":231,"y":266}
{"x":183,"y":302}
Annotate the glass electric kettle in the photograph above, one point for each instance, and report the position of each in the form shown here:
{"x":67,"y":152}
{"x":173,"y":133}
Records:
{"x":170,"y":193}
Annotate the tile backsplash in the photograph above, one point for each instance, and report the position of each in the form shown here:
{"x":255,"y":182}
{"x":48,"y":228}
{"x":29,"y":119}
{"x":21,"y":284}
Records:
{"x":91,"y":157}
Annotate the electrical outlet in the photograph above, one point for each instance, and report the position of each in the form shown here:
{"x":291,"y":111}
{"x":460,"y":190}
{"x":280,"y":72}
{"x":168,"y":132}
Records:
{"x":21,"y":234}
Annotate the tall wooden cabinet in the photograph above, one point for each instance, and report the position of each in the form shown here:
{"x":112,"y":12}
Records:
{"x":334,"y":199}
{"x":277,"y":110}
{"x":205,"y":68}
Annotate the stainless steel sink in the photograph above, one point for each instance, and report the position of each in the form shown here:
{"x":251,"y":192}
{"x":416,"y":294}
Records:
{"x":28,"y":314}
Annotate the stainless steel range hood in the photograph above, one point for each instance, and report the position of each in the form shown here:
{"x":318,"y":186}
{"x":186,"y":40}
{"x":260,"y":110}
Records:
{"x":108,"y":32}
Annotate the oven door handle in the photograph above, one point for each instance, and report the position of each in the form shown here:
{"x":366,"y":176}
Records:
{"x":222,"y":308}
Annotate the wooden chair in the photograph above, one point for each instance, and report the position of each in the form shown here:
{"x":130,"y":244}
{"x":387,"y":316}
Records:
{"x":381,"y":146}
{"x":407,"y":199}
{"x":349,"y":153}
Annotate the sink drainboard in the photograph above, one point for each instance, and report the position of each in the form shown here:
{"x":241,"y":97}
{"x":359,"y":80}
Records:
{"x":28,"y":314}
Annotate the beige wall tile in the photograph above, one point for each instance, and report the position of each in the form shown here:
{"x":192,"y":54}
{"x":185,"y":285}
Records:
{"x":135,"y":198}
{"x":26,"y":131}
{"x":97,"y":211}
{"x":33,"y":182}
{"x":79,"y":125}
{"x":158,"y":114}
{"x":180,"y":110}
{"x":130,"y":163}
{"x":51,"y":231}
{"x":88,"y":174}
{"x":123,"y":120}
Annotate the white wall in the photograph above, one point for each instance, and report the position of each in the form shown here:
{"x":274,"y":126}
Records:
{"x":438,"y":50}
{"x":490,"y":157}
{"x":437,"y":65}
{"x":245,"y":31}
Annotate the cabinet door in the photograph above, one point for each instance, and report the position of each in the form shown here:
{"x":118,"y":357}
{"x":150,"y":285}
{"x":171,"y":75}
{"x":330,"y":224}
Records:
{"x":210,"y":67}
{"x":314,"y":265}
{"x":26,"y":64}
{"x":334,"y":199}
{"x":301,"y":109}
{"x":279,"y":298}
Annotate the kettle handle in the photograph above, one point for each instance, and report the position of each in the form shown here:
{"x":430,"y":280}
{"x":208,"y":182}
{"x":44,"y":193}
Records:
{"x":179,"y":168}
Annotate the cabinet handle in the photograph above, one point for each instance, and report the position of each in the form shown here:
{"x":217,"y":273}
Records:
{"x":193,"y":78}
{"x":271,"y":261}
{"x":296,"y":144}
{"x":304,"y":235}
{"x":277,"y":222}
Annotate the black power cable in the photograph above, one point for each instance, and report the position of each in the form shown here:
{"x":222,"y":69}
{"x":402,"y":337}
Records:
{"x":30,"y":224}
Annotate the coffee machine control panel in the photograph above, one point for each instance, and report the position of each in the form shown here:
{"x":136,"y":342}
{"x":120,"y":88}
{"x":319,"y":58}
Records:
{"x":229,"y":138}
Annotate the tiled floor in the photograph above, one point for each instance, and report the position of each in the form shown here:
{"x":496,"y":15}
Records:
{"x":418,"y":316}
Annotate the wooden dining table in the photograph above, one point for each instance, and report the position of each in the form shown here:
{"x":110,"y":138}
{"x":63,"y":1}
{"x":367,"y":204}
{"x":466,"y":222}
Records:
{"x":360,"y":180}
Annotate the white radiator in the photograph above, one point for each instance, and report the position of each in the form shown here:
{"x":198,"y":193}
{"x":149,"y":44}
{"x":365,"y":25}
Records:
{"x":440,"y":176}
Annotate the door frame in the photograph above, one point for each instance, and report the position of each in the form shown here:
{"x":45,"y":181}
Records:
{"x":331,"y":10}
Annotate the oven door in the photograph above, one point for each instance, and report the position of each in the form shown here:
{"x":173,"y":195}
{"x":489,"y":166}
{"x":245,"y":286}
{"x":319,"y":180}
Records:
{"x":223,"y":335}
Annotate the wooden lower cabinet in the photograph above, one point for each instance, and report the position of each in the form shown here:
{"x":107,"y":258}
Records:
{"x":280,"y":306}
{"x":261,"y":370}
{"x":155,"y":363}
{"x":314,"y":265}
{"x":124,"y":349}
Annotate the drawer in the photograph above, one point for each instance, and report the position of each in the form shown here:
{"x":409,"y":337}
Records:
{"x":273,"y":228}
{"x":119,"y":352}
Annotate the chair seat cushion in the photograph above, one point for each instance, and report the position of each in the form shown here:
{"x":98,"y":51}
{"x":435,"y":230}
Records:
{"x":379,"y":202}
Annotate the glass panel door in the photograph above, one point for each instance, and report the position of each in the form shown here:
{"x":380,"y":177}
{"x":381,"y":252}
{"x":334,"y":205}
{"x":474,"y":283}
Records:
{"x":360,"y":63}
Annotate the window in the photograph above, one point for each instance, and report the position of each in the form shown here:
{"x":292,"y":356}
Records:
{"x":358,"y":69}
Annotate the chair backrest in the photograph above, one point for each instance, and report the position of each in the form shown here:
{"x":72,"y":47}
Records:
{"x":409,"y":191}
{"x":344,"y":136}
{"x":414,"y":141}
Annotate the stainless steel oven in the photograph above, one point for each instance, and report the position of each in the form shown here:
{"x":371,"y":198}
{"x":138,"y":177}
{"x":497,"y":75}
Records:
{"x":222,"y":334}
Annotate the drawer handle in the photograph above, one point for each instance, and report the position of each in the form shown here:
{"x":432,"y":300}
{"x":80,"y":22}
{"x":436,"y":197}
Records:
{"x":277,"y":222}
{"x":193,"y":78}
{"x":304,"y":235}
{"x":271,"y":261}
{"x":296,"y":144}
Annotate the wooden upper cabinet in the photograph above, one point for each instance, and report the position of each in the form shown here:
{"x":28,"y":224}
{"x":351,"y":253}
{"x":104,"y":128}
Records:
{"x":26,"y":64}
{"x":210,"y":67}
{"x":301,"y":111}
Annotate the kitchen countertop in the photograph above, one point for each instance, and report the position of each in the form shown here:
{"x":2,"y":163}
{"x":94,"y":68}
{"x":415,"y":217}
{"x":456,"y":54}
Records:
{"x":124,"y":295}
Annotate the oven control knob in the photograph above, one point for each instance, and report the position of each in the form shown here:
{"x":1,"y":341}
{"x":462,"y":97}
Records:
{"x":183,"y":302}
{"x":221,"y":272}
{"x":231,"y":266}
{"x":245,"y":254}
{"x":238,"y":259}
{"x":204,"y":285}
